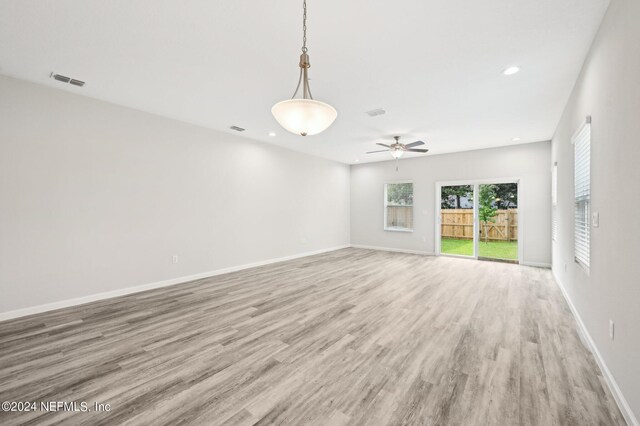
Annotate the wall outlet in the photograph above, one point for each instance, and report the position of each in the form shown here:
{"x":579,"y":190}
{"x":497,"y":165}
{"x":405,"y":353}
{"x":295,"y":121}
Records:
{"x":175,"y":258}
{"x":565,"y":267}
{"x":424,"y":239}
{"x":611,"y":329}
{"x":595,"y":220}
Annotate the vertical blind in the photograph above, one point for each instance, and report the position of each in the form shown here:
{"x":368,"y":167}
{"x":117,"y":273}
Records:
{"x":582,"y":185}
{"x":554,"y":223}
{"x":554,"y":201}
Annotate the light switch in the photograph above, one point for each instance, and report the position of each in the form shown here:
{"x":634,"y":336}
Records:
{"x":595,"y":219}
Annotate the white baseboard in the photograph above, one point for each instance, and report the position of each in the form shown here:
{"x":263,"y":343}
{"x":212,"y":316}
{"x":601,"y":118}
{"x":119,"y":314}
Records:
{"x":428,"y":253}
{"x":611,"y":381}
{"x":129,"y":290}
{"x":537,"y":264}
{"x":425,"y":253}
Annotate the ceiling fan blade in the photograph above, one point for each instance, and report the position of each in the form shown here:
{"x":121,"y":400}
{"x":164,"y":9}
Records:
{"x":381,"y":144}
{"x":382,"y":150}
{"x":417,"y":150}
{"x":412,"y":144}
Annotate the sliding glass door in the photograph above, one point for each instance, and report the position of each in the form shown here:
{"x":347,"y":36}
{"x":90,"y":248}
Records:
{"x":457,"y":220}
{"x":478,"y":220}
{"x":498,"y":219}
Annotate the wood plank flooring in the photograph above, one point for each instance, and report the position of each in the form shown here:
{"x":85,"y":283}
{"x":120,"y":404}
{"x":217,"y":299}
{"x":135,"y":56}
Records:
{"x":354,"y":337}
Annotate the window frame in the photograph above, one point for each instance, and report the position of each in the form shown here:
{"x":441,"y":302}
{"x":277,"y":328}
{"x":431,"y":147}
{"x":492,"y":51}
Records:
{"x":581,"y":141}
{"x":385,"y":205}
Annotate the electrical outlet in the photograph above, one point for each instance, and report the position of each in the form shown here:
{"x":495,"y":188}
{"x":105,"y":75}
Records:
{"x":424,"y":239}
{"x":611,"y":329}
{"x":595,"y":220}
{"x":175,"y":258}
{"x":565,"y":267}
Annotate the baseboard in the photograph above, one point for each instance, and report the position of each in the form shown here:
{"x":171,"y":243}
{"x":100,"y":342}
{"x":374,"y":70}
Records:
{"x":425,"y":253}
{"x":537,"y":264}
{"x":623,"y":405}
{"x":428,"y":253}
{"x":129,"y":290}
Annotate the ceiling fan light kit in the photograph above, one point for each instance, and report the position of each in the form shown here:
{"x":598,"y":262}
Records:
{"x":397,"y":149}
{"x":397,"y":153}
{"x":304,"y":116}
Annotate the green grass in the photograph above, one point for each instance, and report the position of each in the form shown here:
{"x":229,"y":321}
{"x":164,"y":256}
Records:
{"x":493,"y":249}
{"x":461,"y":247}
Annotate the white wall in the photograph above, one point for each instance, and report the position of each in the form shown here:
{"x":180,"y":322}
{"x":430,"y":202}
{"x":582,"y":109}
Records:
{"x":95,"y":197}
{"x":608,"y":90}
{"x":529,"y":162}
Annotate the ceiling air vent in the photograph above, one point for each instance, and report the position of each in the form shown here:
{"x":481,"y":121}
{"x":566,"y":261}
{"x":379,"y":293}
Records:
{"x":61,"y":78}
{"x":65,"y":79}
{"x":376,"y":112}
{"x":237,"y":129}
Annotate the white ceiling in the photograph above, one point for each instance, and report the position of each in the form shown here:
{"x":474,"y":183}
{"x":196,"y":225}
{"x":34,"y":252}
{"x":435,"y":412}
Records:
{"x":433,"y":65}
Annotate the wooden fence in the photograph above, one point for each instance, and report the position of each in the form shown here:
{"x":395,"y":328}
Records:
{"x":400,"y":217}
{"x":458,"y":223}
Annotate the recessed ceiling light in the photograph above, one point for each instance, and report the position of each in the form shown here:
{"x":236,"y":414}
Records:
{"x":515,"y":139}
{"x":357,"y":161}
{"x":272,"y":133}
{"x":511,"y":70}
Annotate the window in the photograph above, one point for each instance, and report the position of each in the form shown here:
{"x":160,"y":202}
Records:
{"x":582,"y":199}
{"x":554,"y":184}
{"x":554,"y":201}
{"x":398,"y":206}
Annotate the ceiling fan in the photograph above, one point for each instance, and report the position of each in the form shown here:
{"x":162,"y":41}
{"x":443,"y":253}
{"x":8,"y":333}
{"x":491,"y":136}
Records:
{"x":397,"y":149}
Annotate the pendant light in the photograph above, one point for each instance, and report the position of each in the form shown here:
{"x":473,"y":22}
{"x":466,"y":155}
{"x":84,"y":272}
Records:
{"x":304,"y":116}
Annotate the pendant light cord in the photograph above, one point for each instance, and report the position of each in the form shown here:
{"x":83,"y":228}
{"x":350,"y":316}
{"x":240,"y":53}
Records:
{"x":304,"y":59}
{"x":304,"y":26}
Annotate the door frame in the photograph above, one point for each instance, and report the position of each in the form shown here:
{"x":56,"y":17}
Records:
{"x":476,"y":222}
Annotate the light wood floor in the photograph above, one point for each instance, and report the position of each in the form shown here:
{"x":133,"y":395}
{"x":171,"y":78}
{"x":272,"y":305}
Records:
{"x":349,"y":337}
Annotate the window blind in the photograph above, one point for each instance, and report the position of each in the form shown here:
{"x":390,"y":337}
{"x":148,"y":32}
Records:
{"x":554,"y":201}
{"x":554,"y":184}
{"x":582,"y":199}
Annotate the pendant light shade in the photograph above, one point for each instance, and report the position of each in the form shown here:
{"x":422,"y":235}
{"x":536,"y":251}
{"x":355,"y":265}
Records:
{"x":304,"y":116}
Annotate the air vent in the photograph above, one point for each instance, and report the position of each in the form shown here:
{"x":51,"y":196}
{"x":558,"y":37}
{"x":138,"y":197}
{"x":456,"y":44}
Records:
{"x":237,"y":129}
{"x":65,"y":79}
{"x":376,"y":112}
{"x":61,"y":78}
